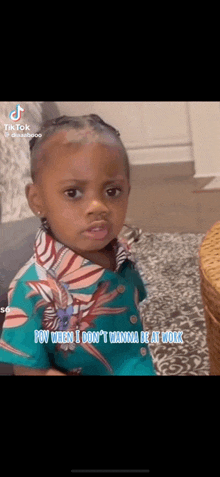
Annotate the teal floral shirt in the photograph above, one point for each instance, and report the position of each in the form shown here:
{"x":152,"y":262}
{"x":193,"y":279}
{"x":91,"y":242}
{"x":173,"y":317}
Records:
{"x":69,"y":313}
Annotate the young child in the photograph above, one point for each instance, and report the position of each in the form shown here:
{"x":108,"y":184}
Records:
{"x":81,"y":278}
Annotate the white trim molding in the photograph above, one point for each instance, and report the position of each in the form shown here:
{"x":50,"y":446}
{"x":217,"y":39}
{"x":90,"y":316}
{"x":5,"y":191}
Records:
{"x":163,"y":154}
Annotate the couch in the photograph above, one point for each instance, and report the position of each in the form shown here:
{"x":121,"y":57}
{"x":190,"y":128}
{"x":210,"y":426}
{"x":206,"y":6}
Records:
{"x":16,"y":247}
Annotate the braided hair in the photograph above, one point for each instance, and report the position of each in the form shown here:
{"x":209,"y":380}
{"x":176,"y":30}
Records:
{"x":81,"y":124}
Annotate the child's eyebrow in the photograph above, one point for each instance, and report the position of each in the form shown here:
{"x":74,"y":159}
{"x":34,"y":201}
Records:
{"x":83,"y":182}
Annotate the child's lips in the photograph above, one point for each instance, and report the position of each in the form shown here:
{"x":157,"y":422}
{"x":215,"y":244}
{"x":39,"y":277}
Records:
{"x":97,"y":232}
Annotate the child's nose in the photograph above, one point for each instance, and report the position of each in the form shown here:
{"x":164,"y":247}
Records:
{"x":97,"y":207}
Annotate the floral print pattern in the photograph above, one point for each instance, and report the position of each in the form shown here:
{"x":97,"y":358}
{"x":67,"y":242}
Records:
{"x":61,"y":274}
{"x":69,"y":292}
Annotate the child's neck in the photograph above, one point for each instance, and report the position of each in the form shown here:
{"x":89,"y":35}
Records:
{"x":104,"y":257}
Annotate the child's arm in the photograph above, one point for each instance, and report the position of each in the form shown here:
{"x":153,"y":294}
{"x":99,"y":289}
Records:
{"x":25,"y":371}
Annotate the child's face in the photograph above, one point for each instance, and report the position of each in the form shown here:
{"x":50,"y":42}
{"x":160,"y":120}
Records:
{"x":77,"y":186}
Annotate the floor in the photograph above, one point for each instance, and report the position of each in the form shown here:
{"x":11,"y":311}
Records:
{"x":170,"y":268}
{"x":162,"y":199}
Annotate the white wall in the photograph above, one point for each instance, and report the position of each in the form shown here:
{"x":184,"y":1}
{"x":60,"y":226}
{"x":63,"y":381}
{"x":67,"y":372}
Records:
{"x":205,"y":129}
{"x":152,"y":132}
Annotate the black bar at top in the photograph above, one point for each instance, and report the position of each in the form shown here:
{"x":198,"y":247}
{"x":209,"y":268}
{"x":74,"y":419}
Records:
{"x":110,"y":470}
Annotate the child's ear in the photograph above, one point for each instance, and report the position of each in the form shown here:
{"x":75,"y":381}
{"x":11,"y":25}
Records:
{"x":33,"y":198}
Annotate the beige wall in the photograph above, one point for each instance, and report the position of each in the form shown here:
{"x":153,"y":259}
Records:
{"x":205,"y":130}
{"x":152,"y":132}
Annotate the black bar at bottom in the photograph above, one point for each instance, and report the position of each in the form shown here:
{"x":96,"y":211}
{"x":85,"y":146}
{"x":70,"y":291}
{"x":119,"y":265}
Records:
{"x":110,"y":470}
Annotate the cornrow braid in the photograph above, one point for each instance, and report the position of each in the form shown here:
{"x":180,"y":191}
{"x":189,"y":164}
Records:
{"x":79,"y":123}
{"x":74,"y":121}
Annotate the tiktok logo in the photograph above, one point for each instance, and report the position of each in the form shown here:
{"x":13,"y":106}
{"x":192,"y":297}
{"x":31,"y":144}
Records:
{"x":16,"y":114}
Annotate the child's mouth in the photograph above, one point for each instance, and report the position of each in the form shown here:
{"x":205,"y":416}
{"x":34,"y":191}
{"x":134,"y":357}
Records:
{"x":96,"y":233}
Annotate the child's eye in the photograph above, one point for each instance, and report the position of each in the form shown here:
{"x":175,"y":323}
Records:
{"x":114,"y":192}
{"x":72,"y":193}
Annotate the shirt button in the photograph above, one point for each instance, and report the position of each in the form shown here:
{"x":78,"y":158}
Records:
{"x":133,"y":319}
{"x":143,"y":351}
{"x":121,"y":288}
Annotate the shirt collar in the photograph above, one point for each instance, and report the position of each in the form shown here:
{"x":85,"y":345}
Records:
{"x":49,"y":252}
